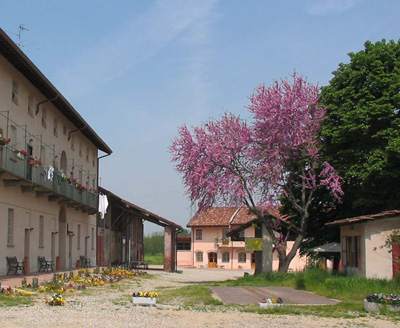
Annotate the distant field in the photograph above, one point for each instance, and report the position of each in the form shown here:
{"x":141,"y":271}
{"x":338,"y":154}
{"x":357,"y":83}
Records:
{"x":154,"y":258}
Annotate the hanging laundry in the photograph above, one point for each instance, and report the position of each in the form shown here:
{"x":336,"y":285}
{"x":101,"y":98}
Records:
{"x":103,"y":204}
{"x":50,"y":173}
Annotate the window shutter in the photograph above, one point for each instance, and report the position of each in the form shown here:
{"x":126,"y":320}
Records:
{"x":10,"y":230}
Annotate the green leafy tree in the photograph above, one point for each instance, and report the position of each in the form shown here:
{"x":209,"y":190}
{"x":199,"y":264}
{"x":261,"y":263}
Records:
{"x":361,"y":133}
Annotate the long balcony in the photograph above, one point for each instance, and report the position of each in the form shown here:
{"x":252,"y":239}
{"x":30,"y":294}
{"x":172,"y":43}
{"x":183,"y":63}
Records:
{"x":31,"y":176}
{"x":229,"y":243}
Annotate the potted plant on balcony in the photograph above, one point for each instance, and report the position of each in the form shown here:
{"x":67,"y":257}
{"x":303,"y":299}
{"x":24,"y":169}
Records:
{"x":21,"y":154}
{"x":34,"y":162}
{"x":4,"y":141}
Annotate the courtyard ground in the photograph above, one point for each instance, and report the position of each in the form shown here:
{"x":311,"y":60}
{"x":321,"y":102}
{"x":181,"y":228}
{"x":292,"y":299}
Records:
{"x":110,"y":306}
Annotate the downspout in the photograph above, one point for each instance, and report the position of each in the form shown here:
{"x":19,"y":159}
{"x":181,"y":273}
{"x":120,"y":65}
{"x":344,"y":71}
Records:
{"x":43,"y":102}
{"x":104,"y":220}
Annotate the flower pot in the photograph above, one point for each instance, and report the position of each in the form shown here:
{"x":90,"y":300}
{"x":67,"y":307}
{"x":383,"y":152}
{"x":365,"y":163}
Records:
{"x":373,"y":307}
{"x":144,"y":300}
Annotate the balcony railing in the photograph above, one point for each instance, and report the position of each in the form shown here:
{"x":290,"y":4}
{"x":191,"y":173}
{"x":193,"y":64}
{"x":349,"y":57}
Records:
{"x":227,"y":242}
{"x":36,"y":176}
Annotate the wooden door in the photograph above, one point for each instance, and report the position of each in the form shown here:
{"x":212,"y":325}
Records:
{"x":70,"y":252}
{"x":212,"y":260}
{"x":27,"y":248}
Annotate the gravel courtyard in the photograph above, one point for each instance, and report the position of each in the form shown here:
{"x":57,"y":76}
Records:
{"x":110,"y":307}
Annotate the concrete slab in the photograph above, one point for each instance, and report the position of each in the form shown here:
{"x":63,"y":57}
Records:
{"x":253,"y":295}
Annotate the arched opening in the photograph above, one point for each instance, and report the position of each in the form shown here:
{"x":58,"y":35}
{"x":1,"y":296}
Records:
{"x":63,"y":162}
{"x":62,"y":236}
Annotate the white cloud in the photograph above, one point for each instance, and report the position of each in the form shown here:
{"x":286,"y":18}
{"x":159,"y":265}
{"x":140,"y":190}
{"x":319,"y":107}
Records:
{"x":132,"y":43}
{"x":325,"y":7}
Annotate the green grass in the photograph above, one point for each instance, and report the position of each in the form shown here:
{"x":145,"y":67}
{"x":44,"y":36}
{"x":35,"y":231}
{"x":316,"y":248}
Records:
{"x":155,"y":259}
{"x":13,"y":300}
{"x":350,"y":290}
{"x":188,"y":296}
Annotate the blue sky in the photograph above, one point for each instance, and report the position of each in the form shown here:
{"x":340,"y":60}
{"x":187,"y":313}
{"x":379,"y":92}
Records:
{"x":137,"y":70}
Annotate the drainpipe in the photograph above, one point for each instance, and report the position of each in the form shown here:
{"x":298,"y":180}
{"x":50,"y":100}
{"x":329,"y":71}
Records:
{"x":43,"y":102}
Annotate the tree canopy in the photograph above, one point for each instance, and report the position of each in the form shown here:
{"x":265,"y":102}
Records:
{"x":361,"y":132}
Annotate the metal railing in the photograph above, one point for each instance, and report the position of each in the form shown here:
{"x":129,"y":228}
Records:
{"x":19,"y":165}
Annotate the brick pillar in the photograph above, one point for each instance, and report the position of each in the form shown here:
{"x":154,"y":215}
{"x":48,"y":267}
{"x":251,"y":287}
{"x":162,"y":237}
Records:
{"x":169,"y":249}
{"x":26,"y":265}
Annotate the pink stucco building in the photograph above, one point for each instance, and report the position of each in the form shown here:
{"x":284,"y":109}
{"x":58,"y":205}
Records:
{"x":209,"y":247}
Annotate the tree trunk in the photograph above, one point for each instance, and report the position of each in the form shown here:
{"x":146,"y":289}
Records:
{"x":267,"y":247}
{"x":286,"y":258}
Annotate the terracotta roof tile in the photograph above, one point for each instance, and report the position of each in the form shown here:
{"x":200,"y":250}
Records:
{"x":221,"y":216}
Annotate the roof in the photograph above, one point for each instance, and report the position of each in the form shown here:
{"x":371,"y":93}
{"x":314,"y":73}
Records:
{"x":22,"y":63}
{"x":221,"y":216}
{"x":147,"y":215}
{"x":364,"y":218}
{"x":327,"y":248}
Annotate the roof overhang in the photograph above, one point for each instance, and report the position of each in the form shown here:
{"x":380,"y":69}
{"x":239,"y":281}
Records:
{"x":366,"y":218}
{"x":22,"y":63}
{"x":144,"y":214}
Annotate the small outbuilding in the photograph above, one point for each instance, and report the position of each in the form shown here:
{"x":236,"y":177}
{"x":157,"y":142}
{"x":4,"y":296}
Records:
{"x":368,"y":244}
{"x":120,"y":233}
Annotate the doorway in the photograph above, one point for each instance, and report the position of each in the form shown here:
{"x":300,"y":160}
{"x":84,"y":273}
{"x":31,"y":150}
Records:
{"x":62,"y":236}
{"x":69,"y":251}
{"x":28,"y":162}
{"x":212,"y":260}
{"x":27,"y":247}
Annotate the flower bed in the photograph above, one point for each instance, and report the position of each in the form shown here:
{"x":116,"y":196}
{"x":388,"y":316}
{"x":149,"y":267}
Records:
{"x":376,"y":302}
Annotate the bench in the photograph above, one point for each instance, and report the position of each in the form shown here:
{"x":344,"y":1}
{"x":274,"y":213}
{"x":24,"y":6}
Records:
{"x":45,"y":265}
{"x":84,"y":262}
{"x":14,"y":266}
{"x":139,"y":265}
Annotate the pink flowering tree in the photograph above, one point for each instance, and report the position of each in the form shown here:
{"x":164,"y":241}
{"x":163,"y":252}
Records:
{"x":256,"y":164}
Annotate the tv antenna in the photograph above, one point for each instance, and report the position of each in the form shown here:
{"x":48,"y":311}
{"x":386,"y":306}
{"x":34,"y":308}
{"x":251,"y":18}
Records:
{"x":21,"y":28}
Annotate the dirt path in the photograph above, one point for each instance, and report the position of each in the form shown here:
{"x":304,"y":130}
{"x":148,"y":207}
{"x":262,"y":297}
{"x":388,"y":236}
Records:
{"x":110,"y":307}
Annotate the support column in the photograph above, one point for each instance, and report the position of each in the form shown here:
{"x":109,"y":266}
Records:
{"x":170,"y":249}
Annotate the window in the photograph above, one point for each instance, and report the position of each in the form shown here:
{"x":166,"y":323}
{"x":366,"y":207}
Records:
{"x":92,"y":239}
{"x":10,"y":228}
{"x":242,"y":257}
{"x":14,"y":136}
{"x":55,"y":128}
{"x":80,"y":149}
{"x":239,"y":236}
{"x":199,"y":256}
{"x":43,"y":155}
{"x":87,"y":154}
{"x":41,"y":231}
{"x":30,"y":105}
{"x":352,"y":251}
{"x":44,"y":118}
{"x":94,"y":159}
{"x":79,"y":237}
{"x":183,"y":245}
{"x":64,"y":130}
{"x":14,"y":92}
{"x":199,"y":234}
{"x":225,"y":233}
{"x":225,"y":257}
{"x":72,"y":143}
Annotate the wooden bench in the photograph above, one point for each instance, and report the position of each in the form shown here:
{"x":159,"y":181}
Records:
{"x":14,"y":266}
{"x":84,"y":262}
{"x":45,"y":265}
{"x":139,"y":265}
